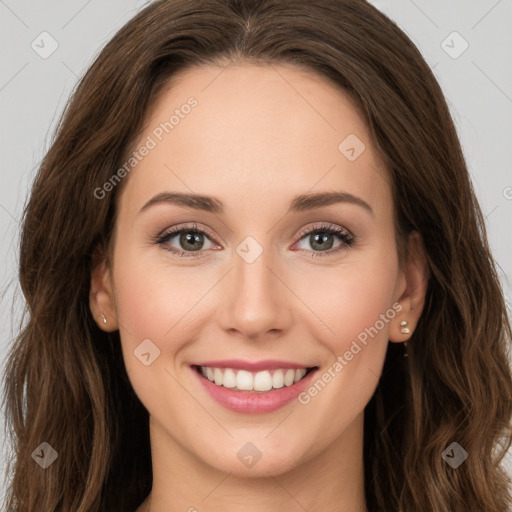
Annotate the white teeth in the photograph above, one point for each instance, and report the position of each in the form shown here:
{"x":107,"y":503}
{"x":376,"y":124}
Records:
{"x":248,"y":381}
{"x":288,"y":378}
{"x":244,"y":380}
{"x":263,"y":381}
{"x":229,"y":380}
{"x":278,"y":380}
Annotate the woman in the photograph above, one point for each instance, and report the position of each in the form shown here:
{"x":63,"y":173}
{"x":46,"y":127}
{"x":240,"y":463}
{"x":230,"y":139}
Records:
{"x":191,"y":343}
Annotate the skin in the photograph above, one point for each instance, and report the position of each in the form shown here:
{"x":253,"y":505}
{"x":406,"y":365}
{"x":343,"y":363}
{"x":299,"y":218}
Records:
{"x":259,"y":136}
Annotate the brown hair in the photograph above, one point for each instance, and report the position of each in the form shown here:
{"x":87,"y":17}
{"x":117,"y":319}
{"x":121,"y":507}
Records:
{"x":65,"y":380}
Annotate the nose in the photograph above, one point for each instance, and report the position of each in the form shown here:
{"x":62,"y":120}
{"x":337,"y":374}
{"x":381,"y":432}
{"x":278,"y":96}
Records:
{"x":257,"y":300}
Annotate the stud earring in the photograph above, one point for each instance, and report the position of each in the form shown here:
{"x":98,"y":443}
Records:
{"x":404,"y":328}
{"x":104,"y":318}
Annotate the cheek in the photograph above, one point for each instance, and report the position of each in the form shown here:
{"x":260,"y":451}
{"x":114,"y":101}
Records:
{"x":361,"y":303}
{"x":154,"y":307}
{"x":358,"y":314}
{"x":152,"y":297}
{"x":360,"y":300}
{"x":158,"y":303}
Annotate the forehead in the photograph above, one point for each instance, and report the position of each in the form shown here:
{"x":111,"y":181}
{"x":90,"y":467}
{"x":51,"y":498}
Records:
{"x":254,"y":129}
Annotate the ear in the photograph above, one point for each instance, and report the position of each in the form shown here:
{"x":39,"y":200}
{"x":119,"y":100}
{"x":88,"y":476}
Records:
{"x":412,"y":292}
{"x":101,"y":296}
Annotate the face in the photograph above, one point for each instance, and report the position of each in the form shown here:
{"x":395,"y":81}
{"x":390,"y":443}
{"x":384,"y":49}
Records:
{"x":257,"y":274}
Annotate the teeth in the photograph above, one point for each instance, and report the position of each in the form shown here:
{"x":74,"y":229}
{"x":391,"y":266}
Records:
{"x":229,"y":379}
{"x":289,"y":377}
{"x":244,"y":380}
{"x":249,"y":381}
{"x":278,"y":380}
{"x":263,"y":381}
{"x":217,"y":375}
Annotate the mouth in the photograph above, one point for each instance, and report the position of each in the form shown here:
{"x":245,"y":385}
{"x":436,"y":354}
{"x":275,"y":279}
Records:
{"x":263,"y":381}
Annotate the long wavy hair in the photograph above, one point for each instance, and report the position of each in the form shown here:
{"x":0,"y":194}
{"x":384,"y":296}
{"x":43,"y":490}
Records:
{"x":65,"y":381}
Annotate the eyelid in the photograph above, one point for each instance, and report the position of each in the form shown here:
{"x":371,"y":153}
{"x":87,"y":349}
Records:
{"x":192,"y":226}
{"x":323,"y":225}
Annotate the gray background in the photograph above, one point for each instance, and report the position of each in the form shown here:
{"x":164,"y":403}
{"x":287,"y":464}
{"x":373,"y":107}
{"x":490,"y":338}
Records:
{"x":477,"y":83}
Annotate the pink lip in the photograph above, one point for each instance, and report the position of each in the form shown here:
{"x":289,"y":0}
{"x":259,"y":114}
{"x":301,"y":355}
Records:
{"x":239,"y":364}
{"x":254,"y":402}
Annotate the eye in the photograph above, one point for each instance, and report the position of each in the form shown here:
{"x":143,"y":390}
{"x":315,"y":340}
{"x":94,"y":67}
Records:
{"x":321,"y":237}
{"x":190,"y":240}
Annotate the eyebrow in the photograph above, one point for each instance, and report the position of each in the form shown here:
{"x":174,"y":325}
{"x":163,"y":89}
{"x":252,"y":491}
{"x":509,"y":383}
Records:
{"x":299,"y":203}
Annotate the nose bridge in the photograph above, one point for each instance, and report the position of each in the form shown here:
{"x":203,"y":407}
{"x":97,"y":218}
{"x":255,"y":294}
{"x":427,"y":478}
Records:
{"x":254,"y":302}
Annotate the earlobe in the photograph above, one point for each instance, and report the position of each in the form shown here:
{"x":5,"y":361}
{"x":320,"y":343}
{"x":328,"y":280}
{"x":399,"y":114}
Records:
{"x":412,"y":300}
{"x":101,"y":297}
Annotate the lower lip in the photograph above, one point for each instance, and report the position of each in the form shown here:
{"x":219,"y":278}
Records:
{"x":254,"y":402}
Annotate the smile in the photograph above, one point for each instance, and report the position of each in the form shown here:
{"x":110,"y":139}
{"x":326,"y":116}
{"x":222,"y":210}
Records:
{"x":255,"y":390}
{"x":244,"y":380}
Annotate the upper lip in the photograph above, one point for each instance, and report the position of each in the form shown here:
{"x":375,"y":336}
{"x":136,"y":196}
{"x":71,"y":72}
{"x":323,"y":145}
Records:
{"x":250,"y":366}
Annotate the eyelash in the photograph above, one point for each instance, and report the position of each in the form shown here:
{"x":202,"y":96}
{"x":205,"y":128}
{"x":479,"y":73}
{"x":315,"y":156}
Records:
{"x":347,"y":239}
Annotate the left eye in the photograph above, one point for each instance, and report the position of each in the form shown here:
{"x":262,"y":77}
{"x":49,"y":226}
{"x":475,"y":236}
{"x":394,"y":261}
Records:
{"x":191,"y":240}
